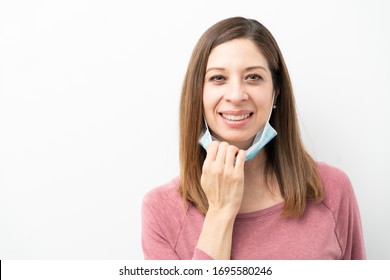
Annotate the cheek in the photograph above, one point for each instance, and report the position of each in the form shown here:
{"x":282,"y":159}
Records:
{"x":262,"y":98}
{"x":208,"y":109}
{"x":210,"y":100}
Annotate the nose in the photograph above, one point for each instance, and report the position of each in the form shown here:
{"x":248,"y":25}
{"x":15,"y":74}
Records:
{"x":236,"y":92}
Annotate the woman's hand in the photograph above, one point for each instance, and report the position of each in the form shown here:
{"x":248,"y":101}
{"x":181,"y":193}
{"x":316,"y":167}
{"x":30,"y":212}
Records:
{"x":223,"y":178}
{"x":223,"y":183}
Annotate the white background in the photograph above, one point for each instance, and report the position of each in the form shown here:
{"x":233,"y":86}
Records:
{"x":89,"y":95}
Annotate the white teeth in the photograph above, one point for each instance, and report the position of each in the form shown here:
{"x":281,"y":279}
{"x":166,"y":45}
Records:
{"x":235,"y":118}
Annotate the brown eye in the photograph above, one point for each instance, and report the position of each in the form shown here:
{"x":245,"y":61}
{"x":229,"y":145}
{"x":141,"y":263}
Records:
{"x":254,"y":77}
{"x":217,"y":78}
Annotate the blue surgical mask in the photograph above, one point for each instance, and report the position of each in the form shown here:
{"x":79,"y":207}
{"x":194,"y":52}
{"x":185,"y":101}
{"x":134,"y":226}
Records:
{"x":261,"y":139}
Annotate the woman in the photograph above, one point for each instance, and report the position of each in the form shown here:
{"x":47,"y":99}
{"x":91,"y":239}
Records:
{"x":243,"y":192}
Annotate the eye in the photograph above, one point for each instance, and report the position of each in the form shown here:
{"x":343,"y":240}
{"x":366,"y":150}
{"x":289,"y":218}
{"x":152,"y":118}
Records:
{"x":254,"y":77}
{"x":217,"y":78}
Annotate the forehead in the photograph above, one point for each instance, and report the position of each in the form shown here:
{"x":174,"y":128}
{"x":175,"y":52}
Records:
{"x":236,"y":52}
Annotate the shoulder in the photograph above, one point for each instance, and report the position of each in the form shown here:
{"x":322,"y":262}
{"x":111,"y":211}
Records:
{"x":167,"y":191}
{"x":164,"y":201}
{"x":336,"y":185}
{"x":332,"y":176}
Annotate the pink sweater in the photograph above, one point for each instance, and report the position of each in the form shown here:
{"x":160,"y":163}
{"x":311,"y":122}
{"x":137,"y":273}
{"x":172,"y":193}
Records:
{"x":327,"y":230}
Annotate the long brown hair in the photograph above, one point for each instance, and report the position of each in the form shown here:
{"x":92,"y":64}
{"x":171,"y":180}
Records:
{"x":286,"y":156}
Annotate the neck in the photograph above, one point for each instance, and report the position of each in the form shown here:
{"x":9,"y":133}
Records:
{"x":260,"y":191}
{"x":257,"y":164}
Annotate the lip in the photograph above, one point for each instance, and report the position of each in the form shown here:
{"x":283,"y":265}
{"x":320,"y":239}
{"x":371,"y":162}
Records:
{"x":236,"y":113}
{"x":236,"y":123}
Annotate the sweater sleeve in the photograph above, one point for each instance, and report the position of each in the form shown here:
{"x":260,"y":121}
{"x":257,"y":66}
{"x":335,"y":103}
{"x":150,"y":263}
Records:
{"x":162,"y":221}
{"x":349,"y":226}
{"x":201,"y":255}
{"x":155,"y":244}
{"x":344,"y":205}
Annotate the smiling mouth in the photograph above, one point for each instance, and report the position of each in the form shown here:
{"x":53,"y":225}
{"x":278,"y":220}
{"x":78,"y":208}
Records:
{"x":236,"y":118}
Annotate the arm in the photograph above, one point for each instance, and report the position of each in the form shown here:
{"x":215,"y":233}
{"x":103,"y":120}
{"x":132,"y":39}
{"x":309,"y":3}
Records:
{"x":161,"y":226}
{"x":352,"y":229}
{"x":223,"y":183}
{"x":155,"y":244}
{"x":348,"y":223}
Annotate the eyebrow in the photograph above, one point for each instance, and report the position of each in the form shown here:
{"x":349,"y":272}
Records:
{"x":246,"y":69}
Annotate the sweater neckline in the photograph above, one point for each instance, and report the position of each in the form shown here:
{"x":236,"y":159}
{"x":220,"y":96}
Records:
{"x":250,"y":215}
{"x":261,"y":213}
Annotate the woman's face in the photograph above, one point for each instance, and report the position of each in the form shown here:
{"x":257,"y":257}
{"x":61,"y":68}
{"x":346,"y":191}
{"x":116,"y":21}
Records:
{"x":237,"y":92}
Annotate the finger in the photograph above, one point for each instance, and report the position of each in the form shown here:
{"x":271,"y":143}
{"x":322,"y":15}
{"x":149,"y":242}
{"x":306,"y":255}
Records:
{"x":212,"y":150}
{"x":221,"y":154}
{"x":231,"y":154}
{"x":240,"y":160}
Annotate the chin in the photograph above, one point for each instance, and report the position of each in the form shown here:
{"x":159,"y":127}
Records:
{"x":241,"y":143}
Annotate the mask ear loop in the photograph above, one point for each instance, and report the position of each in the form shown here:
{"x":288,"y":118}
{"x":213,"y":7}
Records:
{"x":213,"y":138}
{"x":258,"y":135}
{"x":205,"y":122}
{"x":273,"y":106}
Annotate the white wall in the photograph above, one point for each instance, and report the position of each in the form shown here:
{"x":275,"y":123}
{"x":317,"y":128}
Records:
{"x":89,"y":94}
